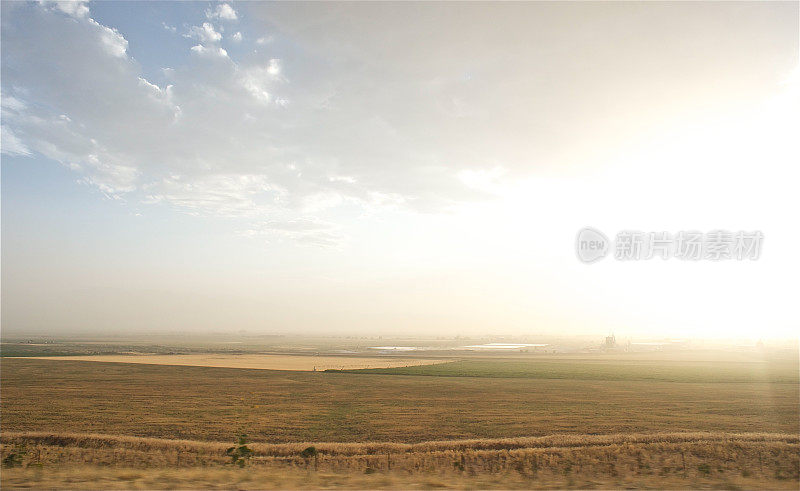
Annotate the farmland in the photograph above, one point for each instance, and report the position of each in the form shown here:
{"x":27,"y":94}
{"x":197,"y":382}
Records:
{"x":206,"y":403}
{"x":595,"y":368}
{"x":260,"y":362}
{"x":536,"y":421}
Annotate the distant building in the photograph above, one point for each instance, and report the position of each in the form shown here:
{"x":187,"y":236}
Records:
{"x":611,"y":342}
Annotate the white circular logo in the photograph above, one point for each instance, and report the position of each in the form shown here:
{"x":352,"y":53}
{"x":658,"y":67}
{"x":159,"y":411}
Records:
{"x":591,"y":245}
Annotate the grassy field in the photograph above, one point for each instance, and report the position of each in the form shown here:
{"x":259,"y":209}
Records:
{"x":534,"y":422}
{"x":203,"y":403}
{"x":766,"y":370}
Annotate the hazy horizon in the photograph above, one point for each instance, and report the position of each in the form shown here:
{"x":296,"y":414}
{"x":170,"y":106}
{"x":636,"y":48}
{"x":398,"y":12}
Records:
{"x":395,"y":168}
{"x":177,"y":337}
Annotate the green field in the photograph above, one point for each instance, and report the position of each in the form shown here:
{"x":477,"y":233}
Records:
{"x":780,"y":370}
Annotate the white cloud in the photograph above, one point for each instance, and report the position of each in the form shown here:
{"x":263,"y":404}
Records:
{"x":220,"y":138}
{"x":274,"y":67}
{"x":219,"y":194}
{"x":211,"y":51}
{"x":376,"y":112}
{"x":74,"y":8}
{"x":223,"y":11}
{"x":114,"y":43}
{"x":206,"y":33}
{"x":112,"y":178}
{"x":256,"y":86}
{"x":257,"y":80}
{"x":309,"y":231}
{"x":9,"y":103}
{"x":10,"y":144}
{"x":237,"y":37}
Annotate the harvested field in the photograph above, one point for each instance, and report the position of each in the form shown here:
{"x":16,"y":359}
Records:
{"x":490,"y":424}
{"x":254,"y":361}
{"x":204,"y":403}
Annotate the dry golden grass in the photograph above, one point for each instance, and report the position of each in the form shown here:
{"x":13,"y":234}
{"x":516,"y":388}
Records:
{"x":253,"y":361}
{"x":87,"y":425}
{"x":93,"y":477}
{"x":144,"y":444}
{"x":676,"y":460}
{"x":203,"y":403}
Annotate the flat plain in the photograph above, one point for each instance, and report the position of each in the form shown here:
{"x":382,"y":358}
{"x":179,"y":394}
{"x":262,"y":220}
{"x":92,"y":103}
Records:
{"x":682,"y":422}
{"x":208,"y":403}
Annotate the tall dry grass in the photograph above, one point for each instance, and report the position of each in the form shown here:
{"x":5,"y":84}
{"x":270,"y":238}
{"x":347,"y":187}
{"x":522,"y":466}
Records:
{"x":772,"y":460}
{"x":93,"y":477}
{"x":88,"y":440}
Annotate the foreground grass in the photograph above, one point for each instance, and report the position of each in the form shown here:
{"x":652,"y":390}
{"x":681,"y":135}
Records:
{"x":94,"y":477}
{"x":201,"y":403}
{"x":674,"y":460}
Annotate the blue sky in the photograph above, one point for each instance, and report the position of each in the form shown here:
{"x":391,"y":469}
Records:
{"x":392,"y":167}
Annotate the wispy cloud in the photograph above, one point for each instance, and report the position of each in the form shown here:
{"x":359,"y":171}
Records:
{"x":220,"y":137}
{"x":223,"y":11}
{"x":306,"y":120}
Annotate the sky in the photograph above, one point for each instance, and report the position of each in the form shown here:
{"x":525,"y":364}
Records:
{"x":395,"y":168}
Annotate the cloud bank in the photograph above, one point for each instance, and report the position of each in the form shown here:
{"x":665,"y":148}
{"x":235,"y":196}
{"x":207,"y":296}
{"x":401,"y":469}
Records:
{"x":289,"y":112}
{"x":221,"y":137}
